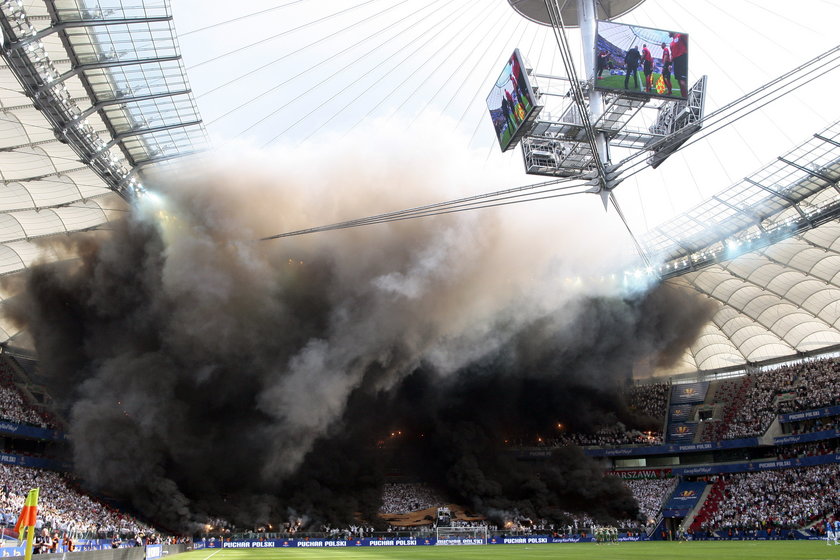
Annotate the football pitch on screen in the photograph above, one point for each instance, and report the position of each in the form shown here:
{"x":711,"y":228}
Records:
{"x":701,"y":550}
{"x":617,"y":82}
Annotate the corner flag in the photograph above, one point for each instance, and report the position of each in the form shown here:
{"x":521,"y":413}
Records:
{"x":27,"y":519}
{"x":660,"y":85}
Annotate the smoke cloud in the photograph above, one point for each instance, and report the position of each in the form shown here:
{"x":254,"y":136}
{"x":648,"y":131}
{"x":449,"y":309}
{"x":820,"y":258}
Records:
{"x":206,"y":373}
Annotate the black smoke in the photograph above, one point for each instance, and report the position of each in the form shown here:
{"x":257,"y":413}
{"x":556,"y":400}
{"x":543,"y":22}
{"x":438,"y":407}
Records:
{"x":206,"y":373}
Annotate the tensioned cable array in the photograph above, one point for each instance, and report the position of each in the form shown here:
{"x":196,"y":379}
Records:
{"x":416,"y":49}
{"x":491,"y":30}
{"x":743,"y":106}
{"x":717,"y":119}
{"x":583,"y":108}
{"x":498,"y":198}
{"x":239,"y":18}
{"x":443,"y":46}
{"x":629,"y":167}
{"x":396,"y":31}
{"x":577,"y":92}
{"x":299,"y":50}
{"x":278,"y":35}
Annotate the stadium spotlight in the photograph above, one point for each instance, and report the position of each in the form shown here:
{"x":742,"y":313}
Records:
{"x":152,"y":198}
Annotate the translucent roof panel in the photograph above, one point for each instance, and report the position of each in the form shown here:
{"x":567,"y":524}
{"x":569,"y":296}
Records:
{"x":71,"y":10}
{"x":107,"y":75}
{"x":777,"y":302}
{"x":793,"y":193}
{"x":131,"y":66}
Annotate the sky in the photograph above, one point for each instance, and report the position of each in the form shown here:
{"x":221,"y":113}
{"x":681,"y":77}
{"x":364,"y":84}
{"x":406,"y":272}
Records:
{"x":300,"y":74}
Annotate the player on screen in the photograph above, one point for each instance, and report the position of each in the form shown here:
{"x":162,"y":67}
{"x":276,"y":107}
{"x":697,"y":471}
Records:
{"x":516,"y":80}
{"x":666,"y":68}
{"x":679,"y":53}
{"x":829,"y":532}
{"x":514,"y":108}
{"x":631,"y":64}
{"x":602,"y":63}
{"x":647,"y":67}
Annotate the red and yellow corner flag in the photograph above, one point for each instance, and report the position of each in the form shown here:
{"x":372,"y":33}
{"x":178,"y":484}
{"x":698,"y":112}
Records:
{"x":27,"y":519}
{"x":660,"y":85}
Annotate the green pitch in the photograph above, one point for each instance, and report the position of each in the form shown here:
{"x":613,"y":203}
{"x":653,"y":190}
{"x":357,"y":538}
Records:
{"x":723,"y":550}
{"x":508,"y":131}
{"x":617,"y":82}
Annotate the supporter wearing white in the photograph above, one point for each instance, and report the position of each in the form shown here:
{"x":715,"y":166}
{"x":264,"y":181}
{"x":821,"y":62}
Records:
{"x":752,"y":403}
{"x":408,"y":497}
{"x":650,"y":494}
{"x":784,"y":498}
{"x":61,"y":507}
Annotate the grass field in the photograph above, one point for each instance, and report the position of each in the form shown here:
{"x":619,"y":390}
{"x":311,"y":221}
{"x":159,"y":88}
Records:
{"x":617,"y":82}
{"x":704,"y":550}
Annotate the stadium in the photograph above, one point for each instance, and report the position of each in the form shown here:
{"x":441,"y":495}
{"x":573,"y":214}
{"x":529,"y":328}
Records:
{"x":551,"y":279}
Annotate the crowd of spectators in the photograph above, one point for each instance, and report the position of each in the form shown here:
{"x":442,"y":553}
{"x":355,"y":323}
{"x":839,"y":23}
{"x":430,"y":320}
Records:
{"x":617,"y":434}
{"x":12,"y":405}
{"x":788,"y":498}
{"x":650,"y":400}
{"x":61,"y":507}
{"x":816,"y":386}
{"x":651,"y":494}
{"x":812,"y":449}
{"x":785,"y":498}
{"x":812,"y":425}
{"x":803,"y":386}
{"x":758,"y":409}
{"x":408,"y":497}
{"x":730,"y":395}
{"x":13,"y":408}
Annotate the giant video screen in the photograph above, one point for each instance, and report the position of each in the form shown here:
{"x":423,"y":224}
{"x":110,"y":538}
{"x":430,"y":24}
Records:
{"x":511,"y":102}
{"x":641,"y":60}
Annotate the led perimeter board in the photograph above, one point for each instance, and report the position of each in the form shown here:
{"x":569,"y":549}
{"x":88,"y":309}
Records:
{"x":643,"y":60}
{"x":512,"y":103}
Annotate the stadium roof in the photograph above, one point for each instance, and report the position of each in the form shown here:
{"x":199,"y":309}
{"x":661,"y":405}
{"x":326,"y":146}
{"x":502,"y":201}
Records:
{"x":765,"y":251}
{"x":89,"y":96}
{"x":781,"y":301}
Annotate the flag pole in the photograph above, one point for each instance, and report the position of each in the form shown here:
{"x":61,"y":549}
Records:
{"x":30,"y":538}
{"x":27,"y":520}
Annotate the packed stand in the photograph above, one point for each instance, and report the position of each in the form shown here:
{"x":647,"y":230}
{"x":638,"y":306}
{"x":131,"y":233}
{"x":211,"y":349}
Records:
{"x":816,"y":386}
{"x":645,"y":400}
{"x":61,"y":507}
{"x":13,"y":408}
{"x":731,"y":394}
{"x":704,"y":518}
{"x":650,"y":400}
{"x":813,"y":425}
{"x":812,"y":449}
{"x":408,"y":497}
{"x":790,"y":498}
{"x":617,"y":434}
{"x":651,"y":494}
{"x":12,"y":405}
{"x":759,"y":407}
{"x":803,"y":386}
